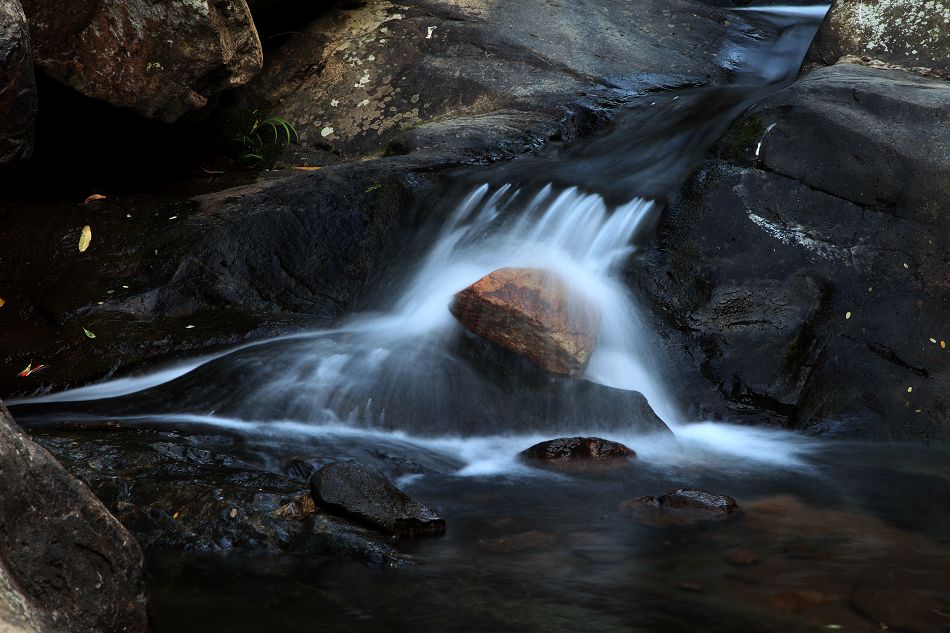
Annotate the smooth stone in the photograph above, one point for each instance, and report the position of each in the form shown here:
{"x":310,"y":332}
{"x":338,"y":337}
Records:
{"x":354,"y":491}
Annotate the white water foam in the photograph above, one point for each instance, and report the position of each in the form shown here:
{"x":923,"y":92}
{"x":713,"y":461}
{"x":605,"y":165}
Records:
{"x":724,"y":448}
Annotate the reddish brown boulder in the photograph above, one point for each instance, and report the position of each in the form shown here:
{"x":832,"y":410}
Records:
{"x":162,"y":59}
{"x":531,"y":312}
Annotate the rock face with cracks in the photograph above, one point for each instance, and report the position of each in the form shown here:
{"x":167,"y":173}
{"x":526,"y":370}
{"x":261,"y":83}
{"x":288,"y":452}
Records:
{"x":803,"y":278}
{"x":534,"y":313}
{"x":162,"y":59}
{"x":66,"y":564}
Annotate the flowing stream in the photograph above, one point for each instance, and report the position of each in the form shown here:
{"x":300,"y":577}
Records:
{"x":528,"y":548}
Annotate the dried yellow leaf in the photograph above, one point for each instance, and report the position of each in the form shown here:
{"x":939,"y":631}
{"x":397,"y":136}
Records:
{"x":943,"y":345}
{"x":910,"y":390}
{"x":847,"y":315}
{"x":2,"y":302}
{"x":85,"y":238}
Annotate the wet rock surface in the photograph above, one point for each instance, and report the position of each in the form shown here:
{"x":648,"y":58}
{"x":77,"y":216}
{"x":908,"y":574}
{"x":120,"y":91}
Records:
{"x":200,"y":493}
{"x":66,"y":564}
{"x":381,"y":76}
{"x":902,"y":33}
{"x":534,"y":313}
{"x":577,"y":449}
{"x":355,"y":491}
{"x":161,"y":59}
{"x":247,"y":263}
{"x":17,"y":87}
{"x":801,"y":279}
{"x":680,"y":507}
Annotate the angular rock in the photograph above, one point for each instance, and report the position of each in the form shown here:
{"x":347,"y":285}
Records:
{"x":680,"y":507}
{"x":534,"y":313}
{"x":162,"y":59}
{"x":17,"y":87}
{"x":354,"y":491}
{"x":570,"y":449}
{"x":906,"y":33}
{"x":72,"y":564}
{"x":827,"y":310}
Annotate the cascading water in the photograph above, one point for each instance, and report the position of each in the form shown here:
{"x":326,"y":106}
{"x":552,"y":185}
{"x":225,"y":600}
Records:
{"x":410,"y":367}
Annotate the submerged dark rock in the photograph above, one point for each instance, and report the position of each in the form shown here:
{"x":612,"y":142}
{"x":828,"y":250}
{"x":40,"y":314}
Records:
{"x":680,"y":507}
{"x":66,"y":564}
{"x":17,"y":87}
{"x":577,"y":449}
{"x":354,"y":491}
{"x":801,"y":280}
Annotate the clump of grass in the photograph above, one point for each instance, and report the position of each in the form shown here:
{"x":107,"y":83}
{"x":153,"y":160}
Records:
{"x":265,"y":139}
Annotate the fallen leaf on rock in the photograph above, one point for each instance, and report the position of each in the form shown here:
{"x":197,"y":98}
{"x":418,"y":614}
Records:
{"x":94,"y":197}
{"x":3,"y":303}
{"x":189,"y":327}
{"x":847,"y":315}
{"x":88,"y":333}
{"x":30,"y":369}
{"x":85,"y":238}
{"x":306,"y":168}
{"x":943,"y":345}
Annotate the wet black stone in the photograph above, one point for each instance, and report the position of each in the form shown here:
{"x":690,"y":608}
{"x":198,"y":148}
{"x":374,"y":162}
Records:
{"x":577,"y":448}
{"x":354,"y":491}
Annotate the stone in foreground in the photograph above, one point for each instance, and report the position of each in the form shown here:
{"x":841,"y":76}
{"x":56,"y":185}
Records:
{"x":66,"y":564}
{"x":354,"y":491}
{"x":162,"y":59}
{"x":573,"y":449}
{"x":681,"y":507}
{"x":531,"y":312}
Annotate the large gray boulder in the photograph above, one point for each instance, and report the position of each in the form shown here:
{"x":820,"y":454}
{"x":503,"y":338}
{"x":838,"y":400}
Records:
{"x":66,"y":564}
{"x":906,"y":33}
{"x":395,"y":77}
{"x":17,"y":87}
{"x":803,"y":278}
{"x":162,"y":59}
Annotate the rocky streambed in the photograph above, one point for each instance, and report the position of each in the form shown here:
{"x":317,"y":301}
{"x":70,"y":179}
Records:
{"x":784,"y":248}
